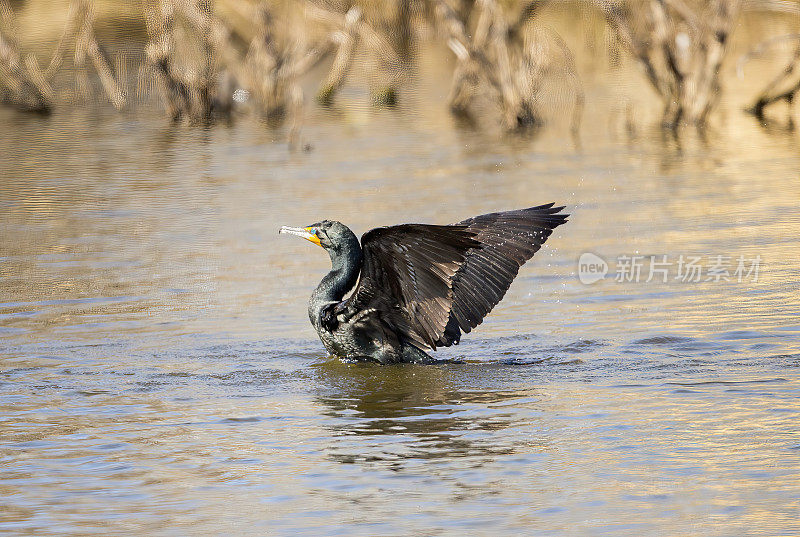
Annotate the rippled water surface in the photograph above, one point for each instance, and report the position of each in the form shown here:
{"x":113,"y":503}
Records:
{"x":158,"y":373}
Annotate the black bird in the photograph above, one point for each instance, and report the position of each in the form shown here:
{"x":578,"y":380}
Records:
{"x":420,"y":285}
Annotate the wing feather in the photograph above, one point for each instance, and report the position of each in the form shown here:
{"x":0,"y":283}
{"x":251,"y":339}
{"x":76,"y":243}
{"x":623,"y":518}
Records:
{"x":508,"y":240}
{"x":407,"y":276}
{"x":432,"y":283}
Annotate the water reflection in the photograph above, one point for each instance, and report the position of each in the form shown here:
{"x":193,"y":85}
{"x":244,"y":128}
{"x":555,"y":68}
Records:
{"x":424,"y":412}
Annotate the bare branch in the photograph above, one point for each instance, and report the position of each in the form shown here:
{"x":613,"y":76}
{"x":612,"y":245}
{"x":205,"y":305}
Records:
{"x":29,"y":89}
{"x":781,"y":88}
{"x":347,"y":38}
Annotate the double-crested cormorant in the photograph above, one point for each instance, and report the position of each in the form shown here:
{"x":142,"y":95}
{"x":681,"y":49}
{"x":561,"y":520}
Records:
{"x":420,"y":285}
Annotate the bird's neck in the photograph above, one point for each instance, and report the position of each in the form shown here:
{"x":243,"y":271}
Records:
{"x":345,"y":267}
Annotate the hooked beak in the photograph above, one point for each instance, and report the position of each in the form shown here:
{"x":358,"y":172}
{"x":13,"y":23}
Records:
{"x":306,"y":232}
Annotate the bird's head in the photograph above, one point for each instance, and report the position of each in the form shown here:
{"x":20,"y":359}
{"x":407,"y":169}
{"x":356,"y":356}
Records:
{"x":334,"y":236}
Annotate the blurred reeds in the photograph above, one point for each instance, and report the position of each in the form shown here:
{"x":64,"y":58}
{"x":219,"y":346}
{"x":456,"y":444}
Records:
{"x":209,"y":58}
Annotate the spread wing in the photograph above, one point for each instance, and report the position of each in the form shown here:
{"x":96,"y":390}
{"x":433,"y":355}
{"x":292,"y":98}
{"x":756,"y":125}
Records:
{"x":431,"y":283}
{"x":407,"y":277}
{"x":508,"y":240}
